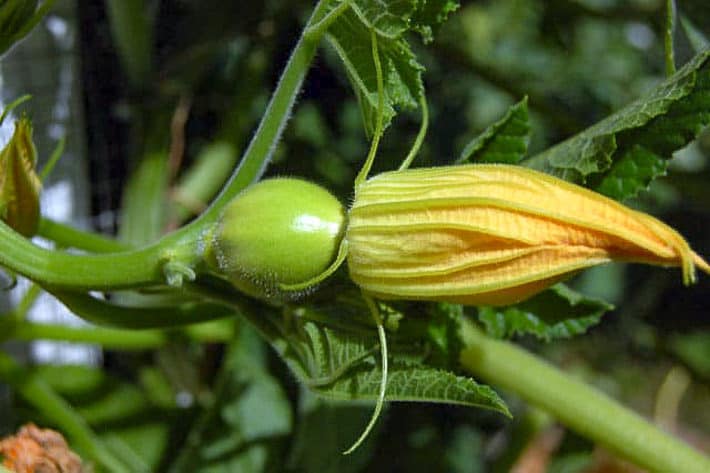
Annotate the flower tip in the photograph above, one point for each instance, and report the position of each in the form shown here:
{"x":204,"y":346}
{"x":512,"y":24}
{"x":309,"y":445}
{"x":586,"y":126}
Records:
{"x":699,"y":262}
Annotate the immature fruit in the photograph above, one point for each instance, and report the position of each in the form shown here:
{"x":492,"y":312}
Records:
{"x":280,"y":231}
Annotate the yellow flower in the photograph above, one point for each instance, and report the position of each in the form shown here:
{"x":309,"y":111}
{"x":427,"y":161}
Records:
{"x":493,"y":234}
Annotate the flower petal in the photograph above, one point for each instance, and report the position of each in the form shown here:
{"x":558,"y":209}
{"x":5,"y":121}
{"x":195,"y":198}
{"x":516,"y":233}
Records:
{"x":493,"y":234}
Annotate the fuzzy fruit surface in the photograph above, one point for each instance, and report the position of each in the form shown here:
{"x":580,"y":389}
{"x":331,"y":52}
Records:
{"x":278,"y":231}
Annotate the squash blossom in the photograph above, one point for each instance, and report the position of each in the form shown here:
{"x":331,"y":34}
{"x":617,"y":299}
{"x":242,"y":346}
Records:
{"x":493,"y":234}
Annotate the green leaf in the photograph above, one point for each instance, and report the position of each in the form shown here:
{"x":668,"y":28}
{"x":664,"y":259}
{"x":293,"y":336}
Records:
{"x":389,"y":18}
{"x":342,"y":365}
{"x":350,"y":36}
{"x":505,"y":141}
{"x":402,"y":74}
{"x":558,"y":312}
{"x":663,"y":121}
{"x":393,"y":18}
{"x":632,"y":173}
{"x":429,"y":15}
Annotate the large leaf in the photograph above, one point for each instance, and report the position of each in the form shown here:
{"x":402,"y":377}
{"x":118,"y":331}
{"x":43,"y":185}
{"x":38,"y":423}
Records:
{"x":621,"y":154}
{"x":344,"y":365}
{"x":350,"y":36}
{"x":505,"y":141}
{"x":558,"y":312}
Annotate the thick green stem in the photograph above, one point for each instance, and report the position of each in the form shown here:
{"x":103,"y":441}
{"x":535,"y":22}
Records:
{"x":41,"y":396}
{"x":577,"y":405}
{"x":262,"y":145}
{"x":142,"y":267}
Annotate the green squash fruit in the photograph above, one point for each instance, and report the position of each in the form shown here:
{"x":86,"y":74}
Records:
{"x":281,"y":231}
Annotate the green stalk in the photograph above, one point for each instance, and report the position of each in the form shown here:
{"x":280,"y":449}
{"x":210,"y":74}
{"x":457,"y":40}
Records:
{"x":263,"y":144}
{"x":116,"y":338}
{"x":70,"y":237}
{"x":60,"y":269}
{"x":140,"y":317}
{"x":109,"y":271}
{"x":110,"y":338}
{"x":43,"y":398}
{"x":580,"y":407}
{"x":144,"y":267}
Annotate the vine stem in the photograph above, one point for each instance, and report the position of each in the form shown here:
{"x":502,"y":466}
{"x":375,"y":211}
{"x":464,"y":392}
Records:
{"x":266,"y":137}
{"x":111,"y":338}
{"x":580,"y":407}
{"x":144,"y":267}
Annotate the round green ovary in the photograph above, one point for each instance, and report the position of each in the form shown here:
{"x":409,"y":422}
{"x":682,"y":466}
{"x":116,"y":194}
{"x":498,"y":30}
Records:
{"x":279,"y":231}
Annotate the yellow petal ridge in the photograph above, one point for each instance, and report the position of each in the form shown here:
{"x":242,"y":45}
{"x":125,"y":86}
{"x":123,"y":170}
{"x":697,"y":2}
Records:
{"x":493,"y":234}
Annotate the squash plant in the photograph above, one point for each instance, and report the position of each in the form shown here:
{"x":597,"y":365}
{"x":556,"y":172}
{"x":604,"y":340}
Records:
{"x":406,"y":283}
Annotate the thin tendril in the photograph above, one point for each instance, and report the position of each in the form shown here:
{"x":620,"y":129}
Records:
{"x":420,"y":136}
{"x":342,"y":254}
{"x":383,"y":382}
{"x":362,"y":175}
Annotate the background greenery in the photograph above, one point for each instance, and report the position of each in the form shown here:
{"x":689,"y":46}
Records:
{"x":216,"y":397}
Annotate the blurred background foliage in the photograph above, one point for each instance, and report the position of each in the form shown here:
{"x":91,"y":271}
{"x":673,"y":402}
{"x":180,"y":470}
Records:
{"x":193,"y":82}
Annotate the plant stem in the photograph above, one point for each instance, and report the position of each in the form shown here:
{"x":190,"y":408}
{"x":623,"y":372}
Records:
{"x":25,"y":304}
{"x":111,"y":338}
{"x":262,"y":145}
{"x":577,"y":405}
{"x":140,"y":317}
{"x":116,"y":338}
{"x":668,"y":31}
{"x":142,"y":267}
{"x":41,"y":396}
{"x":70,"y":237}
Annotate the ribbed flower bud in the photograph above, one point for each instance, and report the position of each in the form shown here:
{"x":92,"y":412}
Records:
{"x":493,"y":234}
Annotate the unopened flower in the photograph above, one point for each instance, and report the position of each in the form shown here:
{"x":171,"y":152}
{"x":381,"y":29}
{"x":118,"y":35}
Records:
{"x":493,"y":234}
{"x":19,"y":183}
